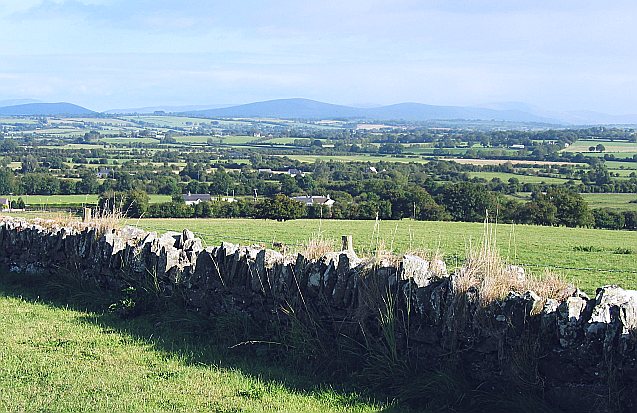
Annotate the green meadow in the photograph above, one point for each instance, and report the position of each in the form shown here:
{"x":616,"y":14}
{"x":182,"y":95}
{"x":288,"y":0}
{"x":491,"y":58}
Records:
{"x":587,"y":257}
{"x":533,"y":179}
{"x":65,"y":352}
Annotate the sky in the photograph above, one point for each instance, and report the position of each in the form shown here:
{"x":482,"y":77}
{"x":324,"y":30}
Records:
{"x":107,"y":54}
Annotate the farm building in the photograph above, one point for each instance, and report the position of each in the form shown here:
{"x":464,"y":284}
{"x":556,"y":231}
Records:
{"x":295,"y":172}
{"x":315,"y":200}
{"x":103,"y":173}
{"x":194,"y":199}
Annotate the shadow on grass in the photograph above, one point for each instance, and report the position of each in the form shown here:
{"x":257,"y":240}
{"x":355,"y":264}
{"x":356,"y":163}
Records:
{"x":197,"y":340}
{"x":194,"y":339}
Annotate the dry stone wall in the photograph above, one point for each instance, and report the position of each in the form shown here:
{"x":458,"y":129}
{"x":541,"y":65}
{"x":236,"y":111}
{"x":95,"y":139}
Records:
{"x":582,"y":351}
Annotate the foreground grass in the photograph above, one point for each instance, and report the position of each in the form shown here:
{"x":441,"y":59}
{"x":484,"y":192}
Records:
{"x":57,"y":358}
{"x":600,"y":256}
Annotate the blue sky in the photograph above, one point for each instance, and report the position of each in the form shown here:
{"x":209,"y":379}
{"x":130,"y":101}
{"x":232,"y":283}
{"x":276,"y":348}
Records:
{"x":104,"y":54}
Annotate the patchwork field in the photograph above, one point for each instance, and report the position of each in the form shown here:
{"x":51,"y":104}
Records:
{"x":587,"y":257}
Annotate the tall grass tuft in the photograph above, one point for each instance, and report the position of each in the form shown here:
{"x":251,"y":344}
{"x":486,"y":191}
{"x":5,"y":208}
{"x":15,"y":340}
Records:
{"x":317,"y":246}
{"x":486,"y":272}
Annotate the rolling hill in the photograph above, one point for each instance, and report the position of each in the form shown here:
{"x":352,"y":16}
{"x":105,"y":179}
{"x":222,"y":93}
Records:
{"x":311,"y":109}
{"x":41,"y":109}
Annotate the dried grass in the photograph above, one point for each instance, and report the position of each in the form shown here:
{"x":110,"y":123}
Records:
{"x":107,"y":220}
{"x":495,"y":279}
{"x":317,"y":246}
{"x":104,"y":221}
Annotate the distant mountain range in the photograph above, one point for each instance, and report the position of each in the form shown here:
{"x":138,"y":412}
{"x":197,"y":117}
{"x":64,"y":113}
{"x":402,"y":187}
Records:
{"x":167,"y":109}
{"x":41,"y":109}
{"x":311,"y":109}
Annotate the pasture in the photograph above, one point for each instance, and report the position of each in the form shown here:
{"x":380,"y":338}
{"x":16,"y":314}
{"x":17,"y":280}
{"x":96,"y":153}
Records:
{"x":71,"y":200}
{"x":587,"y":257}
{"x":355,"y":158}
{"x":532,"y":179}
{"x":610,"y":147}
{"x":503,"y":161}
{"x":614,"y":201}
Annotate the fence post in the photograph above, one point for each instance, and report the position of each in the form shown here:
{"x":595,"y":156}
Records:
{"x":348,"y":243}
{"x":87,"y":215}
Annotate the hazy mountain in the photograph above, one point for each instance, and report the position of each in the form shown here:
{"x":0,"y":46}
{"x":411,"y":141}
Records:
{"x":39,"y":109}
{"x":575,"y":117}
{"x":310,"y":109}
{"x":167,"y":109}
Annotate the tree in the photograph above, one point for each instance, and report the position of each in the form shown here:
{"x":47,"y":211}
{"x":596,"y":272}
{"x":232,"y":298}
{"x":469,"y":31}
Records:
{"x":608,"y":219}
{"x":8,"y":145}
{"x":133,"y":203}
{"x":289,"y":185}
{"x":91,"y":136}
{"x":19,"y":204}
{"x":88,"y":184}
{"x":572,"y":209}
{"x":280,"y":208}
{"x":29,"y":164}
{"x":136,"y":203}
{"x":467,"y":201}
{"x":7,"y":181}
{"x":391,"y":148}
{"x":221,"y":183}
{"x":539,"y":211}
{"x":600,"y":148}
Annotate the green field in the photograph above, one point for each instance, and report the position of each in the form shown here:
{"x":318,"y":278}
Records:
{"x":44,"y":200}
{"x":617,"y":165}
{"x":355,"y":158}
{"x":228,"y":140}
{"x":130,"y":140}
{"x":236,"y":140}
{"x":195,"y":139}
{"x":614,"y":201}
{"x":610,"y":147}
{"x":17,"y":121}
{"x":532,"y":179}
{"x":58,"y":356}
{"x":167,"y":121}
{"x":533,"y":246}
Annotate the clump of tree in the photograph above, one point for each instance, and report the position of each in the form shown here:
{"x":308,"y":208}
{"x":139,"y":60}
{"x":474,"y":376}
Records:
{"x":558,"y":206}
{"x":133,"y":203}
{"x":280,"y":208}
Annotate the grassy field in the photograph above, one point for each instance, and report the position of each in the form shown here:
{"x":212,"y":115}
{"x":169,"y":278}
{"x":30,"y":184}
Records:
{"x":503,"y":161}
{"x":61,"y":352}
{"x":614,"y":165}
{"x":166,"y":120}
{"x":44,"y":200}
{"x":615,"y":201}
{"x":610,"y":147}
{"x":593,"y":253}
{"x":354,"y":158}
{"x":130,"y":140}
{"x":522,"y":178}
